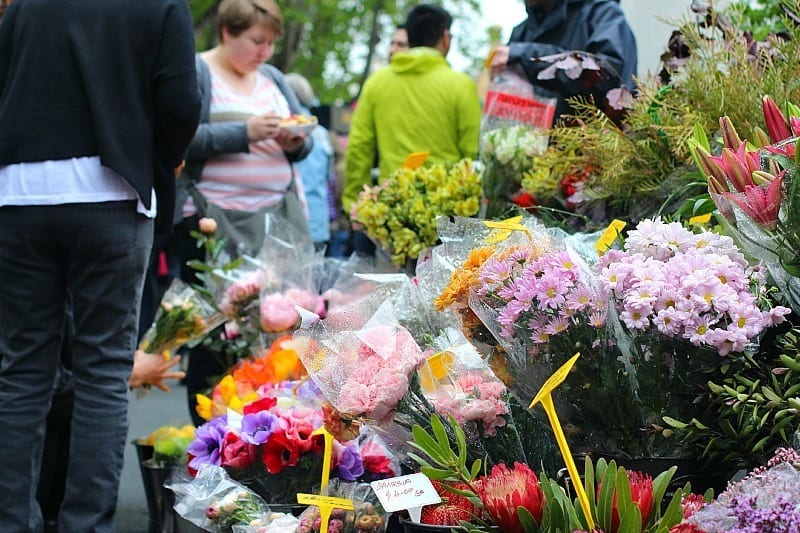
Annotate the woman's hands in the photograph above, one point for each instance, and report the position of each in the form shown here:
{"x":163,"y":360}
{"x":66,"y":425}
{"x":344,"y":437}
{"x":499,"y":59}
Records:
{"x":260,"y":127}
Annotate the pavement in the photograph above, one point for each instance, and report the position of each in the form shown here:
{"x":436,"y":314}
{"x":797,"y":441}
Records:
{"x":154,"y":410}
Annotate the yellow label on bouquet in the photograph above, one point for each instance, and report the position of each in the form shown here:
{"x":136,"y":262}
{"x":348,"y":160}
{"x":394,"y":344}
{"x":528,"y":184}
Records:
{"x":545,"y":397}
{"x":320,"y":501}
{"x":700,"y":219}
{"x":415,"y":160}
{"x":488,"y":63}
{"x":437,"y":367}
{"x":610,"y":235}
{"x":503,"y":228}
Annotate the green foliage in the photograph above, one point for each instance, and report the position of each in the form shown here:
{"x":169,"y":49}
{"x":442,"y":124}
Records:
{"x":753,"y":410}
{"x":761,"y":18}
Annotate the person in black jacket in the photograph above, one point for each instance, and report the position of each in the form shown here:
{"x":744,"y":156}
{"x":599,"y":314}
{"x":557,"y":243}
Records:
{"x":98,"y":102}
{"x":596,"y":28}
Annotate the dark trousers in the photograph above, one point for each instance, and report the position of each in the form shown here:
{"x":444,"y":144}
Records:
{"x":98,"y":253}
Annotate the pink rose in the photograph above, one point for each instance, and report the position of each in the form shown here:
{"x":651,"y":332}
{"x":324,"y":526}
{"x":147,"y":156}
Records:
{"x":278,"y":313}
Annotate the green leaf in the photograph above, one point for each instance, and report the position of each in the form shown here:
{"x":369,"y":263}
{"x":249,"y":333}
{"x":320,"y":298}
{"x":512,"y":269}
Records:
{"x":760,"y":444}
{"x":440,"y":432}
{"x":674,"y":423}
{"x":660,"y":485}
{"x":437,"y":473}
{"x":429,"y":446}
{"x":527,"y":520}
{"x":589,"y":484}
{"x":674,"y":512}
{"x":199,"y":265}
{"x":475,"y":470}
{"x":631,"y":521}
{"x":605,"y":500}
{"x":770,"y":394}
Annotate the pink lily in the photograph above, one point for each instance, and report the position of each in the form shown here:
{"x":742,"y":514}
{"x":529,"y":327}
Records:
{"x":784,"y":149}
{"x":760,"y":204}
{"x":777,"y":125}
{"x":738,"y":166}
{"x":794,"y":125}
{"x":730,"y":137}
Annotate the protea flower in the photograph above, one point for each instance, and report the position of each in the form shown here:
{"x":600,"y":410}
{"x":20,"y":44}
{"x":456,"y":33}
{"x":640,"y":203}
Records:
{"x":505,"y":489}
{"x":641,"y":495}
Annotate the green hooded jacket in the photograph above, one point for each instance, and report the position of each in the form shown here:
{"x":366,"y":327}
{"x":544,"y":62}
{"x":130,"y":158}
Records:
{"x":417,"y":103}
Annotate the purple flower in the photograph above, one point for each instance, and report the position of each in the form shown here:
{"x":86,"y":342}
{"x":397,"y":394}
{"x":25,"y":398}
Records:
{"x":257,"y":427}
{"x":207,"y":442}
{"x":350,"y":466}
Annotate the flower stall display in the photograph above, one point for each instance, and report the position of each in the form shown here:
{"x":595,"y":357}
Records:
{"x":682,"y":301}
{"x":183,"y":317}
{"x":400,"y":214}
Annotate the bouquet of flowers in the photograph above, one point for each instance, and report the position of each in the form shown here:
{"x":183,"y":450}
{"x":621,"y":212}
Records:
{"x":682,"y":300}
{"x":513,"y":133}
{"x":757,"y":193}
{"x":245,"y":380}
{"x":182,"y":318}
{"x":400,"y":213}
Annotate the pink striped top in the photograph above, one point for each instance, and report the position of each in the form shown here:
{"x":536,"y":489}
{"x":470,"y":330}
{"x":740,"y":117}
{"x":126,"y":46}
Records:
{"x":246,"y":181}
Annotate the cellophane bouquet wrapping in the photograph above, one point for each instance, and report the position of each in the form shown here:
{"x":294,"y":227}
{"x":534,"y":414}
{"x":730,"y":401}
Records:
{"x":681,"y":302}
{"x":288,"y":258}
{"x":458,"y":383}
{"x":451,"y":269}
{"x":543,"y":307}
{"x":514,"y":131}
{"x":367,"y":516}
{"x":214,"y":502}
{"x":184,"y":317}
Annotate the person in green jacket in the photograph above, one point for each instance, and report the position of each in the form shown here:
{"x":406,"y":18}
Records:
{"x":417,"y":103}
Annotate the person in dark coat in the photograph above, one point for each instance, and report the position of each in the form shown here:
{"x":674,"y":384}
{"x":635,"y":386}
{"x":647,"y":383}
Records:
{"x":554,"y":28}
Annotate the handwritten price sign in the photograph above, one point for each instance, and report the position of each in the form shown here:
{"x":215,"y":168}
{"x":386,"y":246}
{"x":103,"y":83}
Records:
{"x":410,"y":492}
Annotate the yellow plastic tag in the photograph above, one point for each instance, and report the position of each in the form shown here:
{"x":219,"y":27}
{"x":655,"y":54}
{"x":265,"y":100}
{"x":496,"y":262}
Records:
{"x":326,"y":505}
{"x":546,"y":399}
{"x":610,"y":235}
{"x":503,"y":228}
{"x":700,"y":219}
{"x":437,"y":367}
{"x":415,"y":160}
{"x":488,"y":63}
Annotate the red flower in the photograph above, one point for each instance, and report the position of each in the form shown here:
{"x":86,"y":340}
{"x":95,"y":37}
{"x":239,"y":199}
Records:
{"x":264,"y":404}
{"x":443,"y":515}
{"x":525,"y":200}
{"x":279,"y":452}
{"x":692,"y":503}
{"x":236,"y":453}
{"x":192,"y":471}
{"x":505,"y":489}
{"x":641,"y":495}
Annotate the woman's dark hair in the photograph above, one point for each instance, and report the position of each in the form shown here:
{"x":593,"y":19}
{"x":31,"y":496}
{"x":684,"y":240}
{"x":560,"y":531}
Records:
{"x":426,"y":23}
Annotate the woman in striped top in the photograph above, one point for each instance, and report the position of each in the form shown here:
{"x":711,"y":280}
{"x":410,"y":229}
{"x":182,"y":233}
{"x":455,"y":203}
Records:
{"x":239,"y":159}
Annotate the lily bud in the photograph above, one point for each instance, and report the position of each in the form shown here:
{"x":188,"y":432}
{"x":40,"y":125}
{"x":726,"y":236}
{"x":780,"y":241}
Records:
{"x":707,"y":164}
{"x":762,"y":178}
{"x":729,"y":135}
{"x":736,"y":169}
{"x":716,"y":185}
{"x":777,"y":126}
{"x":761,"y":138}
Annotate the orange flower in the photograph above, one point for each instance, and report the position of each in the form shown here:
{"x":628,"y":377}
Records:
{"x":462,"y":279}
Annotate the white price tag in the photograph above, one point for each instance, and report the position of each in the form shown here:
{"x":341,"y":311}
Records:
{"x":410,"y":492}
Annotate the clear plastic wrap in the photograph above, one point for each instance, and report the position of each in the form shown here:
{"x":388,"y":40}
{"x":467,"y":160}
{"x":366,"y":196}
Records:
{"x":216,"y":503}
{"x":184,"y":317}
{"x":367,"y":517}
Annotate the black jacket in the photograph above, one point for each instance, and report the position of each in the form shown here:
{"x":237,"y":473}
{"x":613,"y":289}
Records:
{"x":594,"y":26}
{"x":108,"y":78}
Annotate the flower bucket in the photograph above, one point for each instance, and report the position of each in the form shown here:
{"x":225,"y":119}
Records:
{"x":163,"y":516}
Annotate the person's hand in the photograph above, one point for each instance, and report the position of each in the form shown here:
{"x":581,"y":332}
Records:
{"x":152,"y":369}
{"x":260,"y":127}
{"x":499,"y":60}
{"x":290,"y":142}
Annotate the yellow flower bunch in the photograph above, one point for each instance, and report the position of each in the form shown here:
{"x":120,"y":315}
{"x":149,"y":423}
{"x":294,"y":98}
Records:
{"x":401,"y":213}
